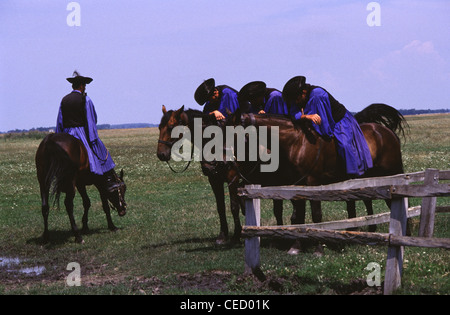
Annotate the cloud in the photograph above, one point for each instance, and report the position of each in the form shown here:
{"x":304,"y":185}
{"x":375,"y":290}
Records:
{"x":417,"y":58}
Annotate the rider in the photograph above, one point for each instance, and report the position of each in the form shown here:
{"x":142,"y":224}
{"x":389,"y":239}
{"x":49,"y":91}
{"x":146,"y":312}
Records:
{"x":216,"y":99}
{"x":263,"y":100}
{"x":330,"y":118}
{"x":78,"y":118}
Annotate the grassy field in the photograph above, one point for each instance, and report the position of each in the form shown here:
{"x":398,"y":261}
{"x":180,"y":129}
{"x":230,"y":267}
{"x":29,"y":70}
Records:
{"x":165,"y":244}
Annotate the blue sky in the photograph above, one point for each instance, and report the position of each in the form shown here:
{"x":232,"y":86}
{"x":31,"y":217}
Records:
{"x":146,"y":53}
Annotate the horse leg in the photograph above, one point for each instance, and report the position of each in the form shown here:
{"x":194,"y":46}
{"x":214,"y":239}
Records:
{"x":86,"y":206}
{"x":298,"y":217}
{"x":298,"y":214}
{"x":219,"y":193}
{"x":369,"y":207}
{"x":234,"y":202}
{"x":351,"y":210}
{"x":45,"y":212}
{"x":278,"y":211}
{"x":316,"y":213}
{"x":107,"y":211}
{"x":68,"y":202}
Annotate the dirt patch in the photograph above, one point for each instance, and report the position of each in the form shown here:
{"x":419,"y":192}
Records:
{"x":212,"y":282}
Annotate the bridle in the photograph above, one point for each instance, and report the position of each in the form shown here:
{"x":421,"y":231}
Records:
{"x":167,"y":143}
{"x":170,"y":145}
{"x":117,"y":186}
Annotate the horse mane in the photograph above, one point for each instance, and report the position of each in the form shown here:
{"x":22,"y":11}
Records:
{"x":191,"y":113}
{"x":305,"y":126}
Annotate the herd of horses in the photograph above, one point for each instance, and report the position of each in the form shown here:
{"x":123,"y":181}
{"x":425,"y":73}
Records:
{"x":305,"y":158}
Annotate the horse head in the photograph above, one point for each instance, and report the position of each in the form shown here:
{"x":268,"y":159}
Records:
{"x":169,"y":121}
{"x":115,"y":191}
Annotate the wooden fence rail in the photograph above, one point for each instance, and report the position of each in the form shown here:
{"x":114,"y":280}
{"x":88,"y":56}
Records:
{"x":397,"y":188}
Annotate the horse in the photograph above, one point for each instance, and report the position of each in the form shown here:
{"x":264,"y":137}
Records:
{"x":217,"y":172}
{"x":315,"y":159}
{"x":62,"y":166}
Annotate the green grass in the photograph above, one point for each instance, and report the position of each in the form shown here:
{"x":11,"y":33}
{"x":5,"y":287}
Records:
{"x":165,"y":244}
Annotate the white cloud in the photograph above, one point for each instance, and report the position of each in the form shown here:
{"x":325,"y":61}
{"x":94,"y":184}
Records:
{"x":415,"y":58}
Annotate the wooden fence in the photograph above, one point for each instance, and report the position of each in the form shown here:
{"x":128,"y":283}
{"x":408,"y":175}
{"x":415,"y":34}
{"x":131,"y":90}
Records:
{"x":397,"y":188}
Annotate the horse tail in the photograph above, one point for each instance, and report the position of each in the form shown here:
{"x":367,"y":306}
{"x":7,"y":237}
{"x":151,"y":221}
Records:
{"x":60,"y":171}
{"x":384,"y":115}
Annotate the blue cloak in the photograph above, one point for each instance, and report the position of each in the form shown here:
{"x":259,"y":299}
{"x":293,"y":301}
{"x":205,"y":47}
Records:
{"x":275,"y":104}
{"x":351,"y":144}
{"x":228,"y":100}
{"x":100,"y":161}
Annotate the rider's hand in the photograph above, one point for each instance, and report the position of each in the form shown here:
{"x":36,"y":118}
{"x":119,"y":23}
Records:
{"x":314,"y":118}
{"x":219,"y":115}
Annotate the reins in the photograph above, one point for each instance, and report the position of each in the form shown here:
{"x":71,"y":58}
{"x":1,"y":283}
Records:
{"x":170,"y":145}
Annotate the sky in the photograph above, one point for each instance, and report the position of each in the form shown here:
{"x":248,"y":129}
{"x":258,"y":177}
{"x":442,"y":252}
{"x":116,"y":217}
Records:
{"x":143,"y":54}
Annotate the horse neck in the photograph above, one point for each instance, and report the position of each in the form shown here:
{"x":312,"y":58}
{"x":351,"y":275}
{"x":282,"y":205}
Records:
{"x":288,"y":132}
{"x":207,"y":120}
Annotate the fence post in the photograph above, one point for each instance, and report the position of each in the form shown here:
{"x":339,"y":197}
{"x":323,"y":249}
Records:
{"x":426,"y":227}
{"x":394,"y":263}
{"x":252,"y":218}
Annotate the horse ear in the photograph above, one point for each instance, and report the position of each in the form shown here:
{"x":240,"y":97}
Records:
{"x":178,"y":112}
{"x":164,"y":110}
{"x":184,"y":118}
{"x":121,"y":175}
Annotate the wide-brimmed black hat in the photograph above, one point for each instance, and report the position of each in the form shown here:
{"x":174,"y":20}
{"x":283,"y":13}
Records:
{"x":204,"y":91}
{"x":252,"y":90}
{"x":293,"y":88}
{"x":77,"y":78}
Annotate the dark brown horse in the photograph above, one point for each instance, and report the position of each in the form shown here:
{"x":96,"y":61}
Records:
{"x":62,"y":167}
{"x":315,"y":159}
{"x":218,"y":173}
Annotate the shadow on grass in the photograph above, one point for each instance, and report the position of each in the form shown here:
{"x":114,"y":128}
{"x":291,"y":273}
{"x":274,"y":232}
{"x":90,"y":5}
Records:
{"x":58,"y":238}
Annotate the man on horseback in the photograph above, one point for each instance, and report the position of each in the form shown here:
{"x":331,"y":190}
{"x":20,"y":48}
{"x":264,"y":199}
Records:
{"x":330,"y":119}
{"x":216,"y":99}
{"x":263,"y":100}
{"x":78,"y":118}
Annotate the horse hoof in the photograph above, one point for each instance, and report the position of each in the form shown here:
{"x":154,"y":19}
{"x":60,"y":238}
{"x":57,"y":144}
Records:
{"x":318,"y":254}
{"x":221,"y":241}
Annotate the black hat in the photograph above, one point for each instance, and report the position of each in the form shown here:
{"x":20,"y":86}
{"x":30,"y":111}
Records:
{"x":252,"y":90}
{"x":77,"y":78}
{"x":293,"y":88}
{"x":204,"y":91}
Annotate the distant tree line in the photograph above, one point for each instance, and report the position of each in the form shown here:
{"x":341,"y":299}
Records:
{"x":99,"y":127}
{"x":423,"y":111}
{"x":404,"y":112}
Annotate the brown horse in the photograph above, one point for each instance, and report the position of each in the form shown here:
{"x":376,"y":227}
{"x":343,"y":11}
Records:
{"x":315,"y":159}
{"x":218,"y":173}
{"x":62,"y":166}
